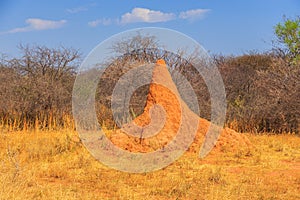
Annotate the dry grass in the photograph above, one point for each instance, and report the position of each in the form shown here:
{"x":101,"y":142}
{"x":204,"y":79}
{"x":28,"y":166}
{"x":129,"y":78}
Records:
{"x":54,"y":165}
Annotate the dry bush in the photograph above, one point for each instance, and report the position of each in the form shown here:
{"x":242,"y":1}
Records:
{"x":262,"y":93}
{"x":38,"y":87}
{"x":262,"y":88}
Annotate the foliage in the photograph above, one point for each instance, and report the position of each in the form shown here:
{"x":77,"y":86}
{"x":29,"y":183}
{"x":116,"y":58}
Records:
{"x":288,"y":33}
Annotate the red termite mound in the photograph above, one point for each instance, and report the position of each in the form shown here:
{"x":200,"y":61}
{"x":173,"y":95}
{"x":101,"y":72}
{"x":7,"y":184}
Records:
{"x":163,"y":115}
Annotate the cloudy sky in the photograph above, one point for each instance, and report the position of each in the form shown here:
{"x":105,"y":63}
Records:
{"x":227,"y":27}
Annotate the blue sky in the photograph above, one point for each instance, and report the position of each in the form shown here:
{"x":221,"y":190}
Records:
{"x":226,"y":27}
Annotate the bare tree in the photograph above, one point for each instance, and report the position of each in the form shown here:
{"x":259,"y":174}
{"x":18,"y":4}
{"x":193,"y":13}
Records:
{"x":40,"y":83}
{"x":139,"y":50}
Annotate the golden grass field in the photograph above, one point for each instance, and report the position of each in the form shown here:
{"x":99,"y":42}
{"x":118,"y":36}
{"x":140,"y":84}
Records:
{"x":55,"y":165}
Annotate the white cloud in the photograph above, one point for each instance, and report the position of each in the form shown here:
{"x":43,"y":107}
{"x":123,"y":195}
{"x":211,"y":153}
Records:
{"x":146,"y":15}
{"x":40,"y":24}
{"x":77,"y":9}
{"x":35,"y":24}
{"x":81,"y":8}
{"x":97,"y":22}
{"x":193,"y":14}
{"x":150,"y":16}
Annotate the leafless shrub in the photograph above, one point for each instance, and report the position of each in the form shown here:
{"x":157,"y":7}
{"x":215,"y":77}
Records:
{"x":38,"y":85}
{"x":262,"y":88}
{"x":262,"y":93}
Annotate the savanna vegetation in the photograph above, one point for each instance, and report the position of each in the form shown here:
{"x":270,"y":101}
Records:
{"x":42,"y":157}
{"x":262,"y":88}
